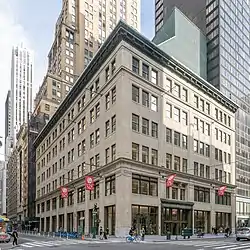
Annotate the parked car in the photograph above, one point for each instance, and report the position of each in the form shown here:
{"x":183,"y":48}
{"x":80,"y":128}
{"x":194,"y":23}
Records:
{"x":4,"y":238}
{"x":243,"y":233}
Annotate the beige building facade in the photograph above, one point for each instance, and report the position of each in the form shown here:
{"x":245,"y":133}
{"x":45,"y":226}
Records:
{"x":81,"y":28}
{"x":134,"y":117}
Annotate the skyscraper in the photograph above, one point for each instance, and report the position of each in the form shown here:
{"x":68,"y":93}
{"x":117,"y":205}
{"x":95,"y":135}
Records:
{"x":22,"y":73}
{"x":81,"y":28}
{"x":228,"y":57}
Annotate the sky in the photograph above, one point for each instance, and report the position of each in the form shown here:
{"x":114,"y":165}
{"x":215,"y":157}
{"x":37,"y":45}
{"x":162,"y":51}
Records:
{"x":32,"y":22}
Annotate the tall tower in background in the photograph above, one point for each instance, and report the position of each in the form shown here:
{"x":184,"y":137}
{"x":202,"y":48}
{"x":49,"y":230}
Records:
{"x":80,"y":30}
{"x":227,"y":28}
{"x":22,"y":74}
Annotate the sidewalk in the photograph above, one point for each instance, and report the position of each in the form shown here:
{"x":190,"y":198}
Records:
{"x":148,"y":238}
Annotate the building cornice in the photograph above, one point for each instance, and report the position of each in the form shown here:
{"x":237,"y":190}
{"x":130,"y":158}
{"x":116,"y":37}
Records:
{"x":124,"y":32}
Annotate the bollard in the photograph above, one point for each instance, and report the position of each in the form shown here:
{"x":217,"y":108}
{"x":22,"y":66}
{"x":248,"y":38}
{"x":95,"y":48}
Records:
{"x":60,"y":235}
{"x":67,"y":236}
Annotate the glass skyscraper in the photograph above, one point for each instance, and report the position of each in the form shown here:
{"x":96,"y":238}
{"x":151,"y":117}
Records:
{"x":228,"y":68}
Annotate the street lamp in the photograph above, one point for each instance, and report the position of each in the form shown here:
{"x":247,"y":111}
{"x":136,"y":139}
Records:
{"x":94,"y":220}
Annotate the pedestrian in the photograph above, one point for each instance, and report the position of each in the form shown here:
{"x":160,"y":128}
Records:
{"x":142,"y":234}
{"x":101,"y":233}
{"x":15,"y":236}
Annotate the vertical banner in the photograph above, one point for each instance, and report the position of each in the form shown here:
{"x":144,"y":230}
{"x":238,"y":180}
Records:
{"x":89,"y":183}
{"x":222,"y":190}
{"x":170,"y":180}
{"x":64,"y":192}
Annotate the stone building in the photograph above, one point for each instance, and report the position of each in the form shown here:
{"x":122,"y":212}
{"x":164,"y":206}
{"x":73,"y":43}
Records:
{"x":134,"y":117}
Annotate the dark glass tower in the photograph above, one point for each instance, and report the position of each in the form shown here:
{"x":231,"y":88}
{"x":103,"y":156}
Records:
{"x":227,"y":27}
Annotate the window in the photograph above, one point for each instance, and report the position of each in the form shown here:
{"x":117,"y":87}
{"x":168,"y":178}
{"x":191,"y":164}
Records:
{"x":168,"y":135}
{"x":177,"y":139}
{"x":135,"y":123}
{"x":107,"y":128}
{"x":110,"y":185}
{"x":202,"y":126}
{"x":154,"y":103}
{"x":113,"y":123}
{"x":184,"y":165}
{"x":107,"y":74}
{"x":145,"y":71}
{"x":207,"y":150}
{"x":201,"y":194}
{"x":168,"y":110}
{"x":184,"y":141}
{"x":223,"y":200}
{"x":145,"y":98}
{"x":145,"y":126}
{"x":113,"y":67}
{"x":184,"y":118}
{"x":196,"y":101}
{"x":154,"y":157}
{"x":92,"y":116}
{"x":113,"y":152}
{"x":96,"y":192}
{"x":177,"y":114}
{"x":202,"y":170}
{"x":135,"y":65}
{"x":202,"y":107}
{"x":154,"y":76}
{"x":184,"y":95}
{"x":145,"y":154}
{"x":144,"y":185}
{"x":208,"y":172}
{"x":177,"y":163}
{"x":107,"y":101}
{"x":113,"y":95}
{"x":207,"y":129}
{"x":107,"y":155}
{"x":97,"y":110}
{"x":169,"y":161}
{"x":135,"y":94}
{"x":202,"y":149}
{"x":97,"y":136}
{"x":135,"y":152}
{"x":207,"y":108}
{"x":154,"y":127}
{"x":92,"y":140}
{"x":80,"y":195}
{"x":195,"y":146}
{"x":177,"y":90}
{"x":196,"y":123}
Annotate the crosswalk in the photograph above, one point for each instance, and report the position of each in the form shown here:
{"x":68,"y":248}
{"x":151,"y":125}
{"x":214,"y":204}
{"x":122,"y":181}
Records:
{"x":209,"y":245}
{"x":32,"y":244}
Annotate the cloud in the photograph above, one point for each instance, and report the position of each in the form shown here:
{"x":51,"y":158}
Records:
{"x":11,"y":33}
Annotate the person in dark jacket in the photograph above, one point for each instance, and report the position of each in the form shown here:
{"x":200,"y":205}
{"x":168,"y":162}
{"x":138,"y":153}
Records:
{"x":15,"y":236}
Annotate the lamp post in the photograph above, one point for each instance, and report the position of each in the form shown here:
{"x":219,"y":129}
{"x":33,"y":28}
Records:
{"x":94,"y":221}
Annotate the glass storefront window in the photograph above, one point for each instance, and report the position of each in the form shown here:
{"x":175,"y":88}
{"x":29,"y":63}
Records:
{"x":202,"y":221}
{"x":145,"y":216}
{"x":109,"y":219}
{"x":223,"y":220}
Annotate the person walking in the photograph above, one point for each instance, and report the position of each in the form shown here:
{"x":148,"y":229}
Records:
{"x":15,"y":236}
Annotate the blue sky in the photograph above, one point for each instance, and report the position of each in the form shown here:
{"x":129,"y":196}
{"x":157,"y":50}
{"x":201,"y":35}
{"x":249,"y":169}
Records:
{"x":33,"y":22}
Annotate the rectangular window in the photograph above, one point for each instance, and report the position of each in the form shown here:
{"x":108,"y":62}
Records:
{"x":135,"y":94}
{"x":201,"y":194}
{"x":92,"y":142}
{"x":207,"y":150}
{"x":135,"y":123}
{"x":97,"y":136}
{"x":195,"y":146}
{"x":184,"y":141}
{"x":107,"y":101}
{"x":169,"y":161}
{"x":202,"y":107}
{"x":168,"y":110}
{"x":208,"y":172}
{"x":107,"y":128}
{"x":107,"y":155}
{"x":202,"y":148}
{"x":177,"y":114}
{"x":184,"y":165}
{"x":177,"y":163}
{"x":145,"y":126}
{"x":92,"y":116}
{"x":135,"y":65}
{"x":184,"y":95}
{"x":154,"y":103}
{"x":177,"y":90}
{"x":113,"y":95}
{"x":110,"y":185}
{"x":168,"y":135}
{"x":154,"y":76}
{"x":97,"y":110}
{"x":184,"y":118}
{"x":154,"y":127}
{"x":135,"y":151}
{"x":113,"y":123}
{"x":113,"y":152}
{"x":196,"y":101}
{"x":145,"y":98}
{"x":145,"y":71}
{"x":177,"y":139}
{"x":144,"y":185}
{"x":145,"y":154}
{"x":154,"y":157}
{"x":107,"y":74}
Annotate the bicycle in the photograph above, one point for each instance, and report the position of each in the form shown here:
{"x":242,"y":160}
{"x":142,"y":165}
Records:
{"x":136,"y":238}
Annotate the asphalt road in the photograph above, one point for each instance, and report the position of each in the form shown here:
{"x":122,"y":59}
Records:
{"x":44,"y":243}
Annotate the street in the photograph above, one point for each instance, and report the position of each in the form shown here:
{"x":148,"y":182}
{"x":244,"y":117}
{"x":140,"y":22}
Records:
{"x":44,"y":243}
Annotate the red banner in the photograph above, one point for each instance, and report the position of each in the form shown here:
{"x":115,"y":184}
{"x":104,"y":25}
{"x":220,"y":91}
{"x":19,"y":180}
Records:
{"x":64,"y":192}
{"x":89,"y":183}
{"x":222,"y":190}
{"x":170,"y":180}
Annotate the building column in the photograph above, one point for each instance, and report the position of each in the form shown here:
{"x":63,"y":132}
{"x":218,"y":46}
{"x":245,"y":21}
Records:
{"x":213,"y":212}
{"x":50,"y":222}
{"x":101,"y":203}
{"x":123,"y":203}
{"x":57,"y":213}
{"x":65,"y":215}
{"x":161,"y":194}
{"x":75,"y":229}
{"x":86,"y":212}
